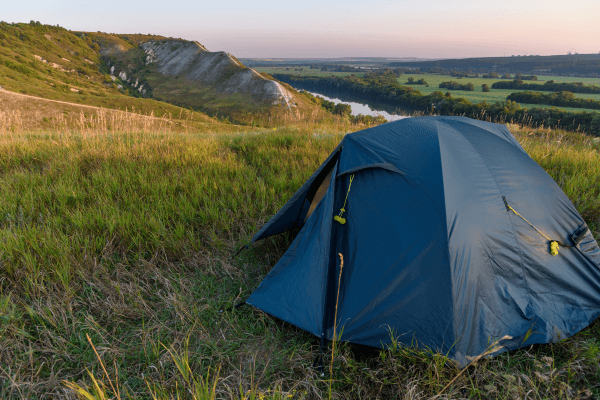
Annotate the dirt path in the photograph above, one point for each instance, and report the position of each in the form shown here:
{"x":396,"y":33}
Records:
{"x":33,"y":109}
{"x":9,"y":93}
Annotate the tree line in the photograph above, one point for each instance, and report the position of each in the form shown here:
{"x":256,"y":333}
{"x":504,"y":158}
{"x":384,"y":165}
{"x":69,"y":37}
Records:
{"x":549,"y":86}
{"x":453,"y":85}
{"x":567,"y":65}
{"x":384,"y":88}
{"x":411,"y":81}
{"x":561,"y":99}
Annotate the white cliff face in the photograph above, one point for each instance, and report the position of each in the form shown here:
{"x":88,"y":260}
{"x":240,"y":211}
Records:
{"x":150,"y":56}
{"x":218,"y":69}
{"x":112,"y":70}
{"x":287,"y":97}
{"x":123,"y":75}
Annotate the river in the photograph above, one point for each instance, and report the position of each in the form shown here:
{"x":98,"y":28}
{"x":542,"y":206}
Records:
{"x":363,"y":109}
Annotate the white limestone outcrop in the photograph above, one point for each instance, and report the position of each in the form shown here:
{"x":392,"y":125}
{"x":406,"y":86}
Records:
{"x":218,"y":69}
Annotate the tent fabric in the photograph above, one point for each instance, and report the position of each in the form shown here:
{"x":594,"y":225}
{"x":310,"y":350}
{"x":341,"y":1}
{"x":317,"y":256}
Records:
{"x":432,"y":255}
{"x":298,"y":282}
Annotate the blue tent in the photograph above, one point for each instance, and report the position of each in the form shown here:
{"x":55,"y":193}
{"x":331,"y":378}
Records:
{"x":452,"y":238}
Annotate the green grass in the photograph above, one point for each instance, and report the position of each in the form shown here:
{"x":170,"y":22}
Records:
{"x":127,"y":238}
{"x":573,"y":109}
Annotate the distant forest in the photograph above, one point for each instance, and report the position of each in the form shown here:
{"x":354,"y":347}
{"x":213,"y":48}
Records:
{"x":559,"y":99}
{"x":565,"y":65}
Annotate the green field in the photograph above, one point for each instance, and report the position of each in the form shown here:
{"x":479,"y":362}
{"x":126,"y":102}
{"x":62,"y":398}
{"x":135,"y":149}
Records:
{"x":476,"y":96}
{"x":115,"y":261}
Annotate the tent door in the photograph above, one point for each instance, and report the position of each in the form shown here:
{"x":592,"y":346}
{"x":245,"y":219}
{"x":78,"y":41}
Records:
{"x":319,"y":187}
{"x":319,"y":194}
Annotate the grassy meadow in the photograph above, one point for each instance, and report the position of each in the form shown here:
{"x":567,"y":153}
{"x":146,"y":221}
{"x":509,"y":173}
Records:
{"x":115,"y":264}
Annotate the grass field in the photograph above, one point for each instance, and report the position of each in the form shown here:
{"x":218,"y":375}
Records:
{"x":476,"y":96}
{"x":115,"y":261}
{"x":26,"y":113}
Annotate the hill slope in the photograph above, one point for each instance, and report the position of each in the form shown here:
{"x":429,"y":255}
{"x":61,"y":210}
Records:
{"x":186,"y":73}
{"x":147,"y":73}
{"x":52,"y":63}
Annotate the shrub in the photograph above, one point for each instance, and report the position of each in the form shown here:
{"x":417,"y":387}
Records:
{"x":595,"y":124}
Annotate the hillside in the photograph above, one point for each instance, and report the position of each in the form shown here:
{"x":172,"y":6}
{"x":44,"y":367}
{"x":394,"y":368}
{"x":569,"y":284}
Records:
{"x":145,"y":73}
{"x":25,"y":113}
{"x":51,"y":63}
{"x":187,"y":74}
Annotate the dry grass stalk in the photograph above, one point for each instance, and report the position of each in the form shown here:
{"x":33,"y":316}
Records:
{"x":494,"y":347}
{"x":335,"y":323}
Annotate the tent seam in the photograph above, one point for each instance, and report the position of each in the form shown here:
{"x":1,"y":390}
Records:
{"x":444,"y":223}
{"x":325,"y":293}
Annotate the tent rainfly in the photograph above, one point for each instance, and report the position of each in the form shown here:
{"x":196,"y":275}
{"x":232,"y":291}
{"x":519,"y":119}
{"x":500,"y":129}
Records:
{"x":452,"y":238}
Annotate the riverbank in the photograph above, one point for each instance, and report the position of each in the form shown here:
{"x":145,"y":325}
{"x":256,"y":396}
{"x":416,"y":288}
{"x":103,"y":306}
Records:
{"x":362,"y":109}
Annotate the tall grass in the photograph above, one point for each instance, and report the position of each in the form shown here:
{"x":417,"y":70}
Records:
{"x":125,"y":235}
{"x":94,"y":122}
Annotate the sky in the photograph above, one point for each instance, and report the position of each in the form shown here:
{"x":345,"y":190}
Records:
{"x":331,"y":29}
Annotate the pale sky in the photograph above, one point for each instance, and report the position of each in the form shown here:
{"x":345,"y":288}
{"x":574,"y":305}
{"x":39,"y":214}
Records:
{"x":321,"y":28}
